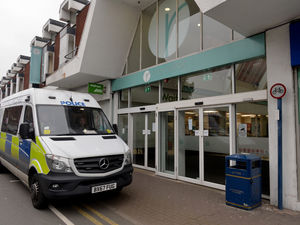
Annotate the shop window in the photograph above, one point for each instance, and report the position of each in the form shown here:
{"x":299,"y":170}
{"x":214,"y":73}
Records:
{"x":205,"y":84}
{"x":123,"y":127}
{"x":215,"y":33}
{"x":252,"y":135}
{"x":123,"y":99}
{"x":189,"y":27}
{"x":149,"y":52}
{"x":251,"y":75}
{"x":145,"y":95}
{"x":167,"y":30}
{"x":170,"y":90}
{"x":134,"y":54}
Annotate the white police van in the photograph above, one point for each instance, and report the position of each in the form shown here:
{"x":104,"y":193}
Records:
{"x":60,"y":144}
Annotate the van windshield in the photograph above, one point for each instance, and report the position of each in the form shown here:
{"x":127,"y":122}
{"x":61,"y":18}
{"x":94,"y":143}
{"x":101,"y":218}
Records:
{"x":71,"y":120}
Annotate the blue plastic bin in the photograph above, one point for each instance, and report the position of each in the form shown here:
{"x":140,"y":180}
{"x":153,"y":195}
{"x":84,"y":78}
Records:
{"x":243,"y":181}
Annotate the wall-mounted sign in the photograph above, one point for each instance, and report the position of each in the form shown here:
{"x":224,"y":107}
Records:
{"x":94,"y":88}
{"x":147,"y":76}
{"x":243,"y":130}
{"x":278,"y":90}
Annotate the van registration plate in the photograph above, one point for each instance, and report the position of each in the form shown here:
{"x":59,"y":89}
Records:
{"x":105,"y":187}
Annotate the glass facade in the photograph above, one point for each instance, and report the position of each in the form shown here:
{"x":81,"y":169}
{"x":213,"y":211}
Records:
{"x":133,"y":60}
{"x":170,"y":90}
{"x":252,"y":135}
{"x":189,"y":27}
{"x":159,"y":38}
{"x":251,"y":75}
{"x":213,"y":83}
{"x":149,"y":21}
{"x":145,"y":95}
{"x":123,"y":127}
{"x":214,"y":33}
{"x":123,"y":98}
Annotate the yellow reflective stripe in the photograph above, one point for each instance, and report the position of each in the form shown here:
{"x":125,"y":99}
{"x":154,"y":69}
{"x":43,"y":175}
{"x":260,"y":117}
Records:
{"x":242,"y":206}
{"x":37,"y":152}
{"x":15,"y":147}
{"x":36,"y":165}
{"x":246,"y":178}
{"x":38,"y":142}
{"x":2,"y":141}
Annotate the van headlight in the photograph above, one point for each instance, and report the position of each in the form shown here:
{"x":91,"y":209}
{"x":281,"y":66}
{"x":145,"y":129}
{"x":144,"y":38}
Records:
{"x":58,"y":164}
{"x":128,"y":157}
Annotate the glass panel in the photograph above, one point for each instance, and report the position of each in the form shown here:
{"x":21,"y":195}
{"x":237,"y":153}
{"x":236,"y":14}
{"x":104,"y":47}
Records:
{"x":123,"y":99}
{"x":145,"y":95}
{"x":253,"y":136}
{"x":72,"y":120}
{"x":188,"y":148}
{"x":214,"y":33}
{"x":170,"y":90}
{"x":166,"y":30}
{"x":216,"y":143}
{"x":138,"y":139}
{"x":189,"y":27}
{"x":251,"y":75}
{"x":166,"y":142}
{"x":11,"y":118}
{"x":134,"y":54}
{"x":213,"y":83}
{"x":28,"y":118}
{"x":149,"y":36}
{"x":151,"y":140}
{"x":123,"y":127}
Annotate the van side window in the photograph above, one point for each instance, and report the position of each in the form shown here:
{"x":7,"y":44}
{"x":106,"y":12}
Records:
{"x":11,"y":118}
{"x":28,"y":118}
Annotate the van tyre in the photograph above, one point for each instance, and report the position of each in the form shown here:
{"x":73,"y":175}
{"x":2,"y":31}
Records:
{"x":38,"y":199}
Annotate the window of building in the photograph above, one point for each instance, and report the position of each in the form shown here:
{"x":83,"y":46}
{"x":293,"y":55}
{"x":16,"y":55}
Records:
{"x":149,"y":21}
{"x":252,"y":135}
{"x":11,"y":118}
{"x":133,"y":61}
{"x":123,"y":98}
{"x":189,"y":27}
{"x":123,"y":127}
{"x":215,"y":33}
{"x":251,"y":75}
{"x":145,"y":95}
{"x":170,"y":90}
{"x":167,"y":30}
{"x":205,"y":84}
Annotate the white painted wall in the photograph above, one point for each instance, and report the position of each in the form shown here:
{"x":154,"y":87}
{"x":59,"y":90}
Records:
{"x":106,"y":38}
{"x":279,"y":70}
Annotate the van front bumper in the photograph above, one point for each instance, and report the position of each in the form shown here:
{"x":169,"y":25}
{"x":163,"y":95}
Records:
{"x":57,"y":186}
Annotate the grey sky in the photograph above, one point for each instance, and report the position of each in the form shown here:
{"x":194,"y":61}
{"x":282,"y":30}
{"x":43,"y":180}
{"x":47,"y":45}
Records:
{"x":20,"y":21}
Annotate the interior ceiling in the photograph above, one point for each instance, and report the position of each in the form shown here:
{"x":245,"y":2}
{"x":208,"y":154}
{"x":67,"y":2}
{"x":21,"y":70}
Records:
{"x":250,"y":17}
{"x":142,"y":4}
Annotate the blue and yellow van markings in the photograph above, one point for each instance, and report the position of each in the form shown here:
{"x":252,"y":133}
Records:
{"x":33,"y":154}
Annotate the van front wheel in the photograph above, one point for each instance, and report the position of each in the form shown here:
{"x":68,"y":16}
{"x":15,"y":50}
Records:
{"x":38,"y":199}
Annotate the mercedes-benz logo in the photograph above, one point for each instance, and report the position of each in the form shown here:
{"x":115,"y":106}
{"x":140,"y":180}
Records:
{"x":103,"y":163}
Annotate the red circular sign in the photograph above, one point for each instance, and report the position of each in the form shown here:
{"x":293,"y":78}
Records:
{"x":278,"y":90}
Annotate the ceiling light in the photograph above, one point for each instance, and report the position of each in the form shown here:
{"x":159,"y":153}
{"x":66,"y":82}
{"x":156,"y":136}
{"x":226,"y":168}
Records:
{"x":167,"y":9}
{"x":198,"y":24}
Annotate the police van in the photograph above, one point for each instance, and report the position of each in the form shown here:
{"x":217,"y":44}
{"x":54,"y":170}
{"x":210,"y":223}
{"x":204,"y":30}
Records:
{"x":61,"y":144}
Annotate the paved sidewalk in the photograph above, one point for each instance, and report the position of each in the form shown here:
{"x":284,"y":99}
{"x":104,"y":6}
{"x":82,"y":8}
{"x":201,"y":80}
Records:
{"x":155,"y":200}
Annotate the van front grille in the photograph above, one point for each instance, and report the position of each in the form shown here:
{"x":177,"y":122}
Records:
{"x":101,"y":164}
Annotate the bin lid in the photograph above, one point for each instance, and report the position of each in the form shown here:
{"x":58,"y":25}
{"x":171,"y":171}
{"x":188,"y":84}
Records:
{"x":243,"y":156}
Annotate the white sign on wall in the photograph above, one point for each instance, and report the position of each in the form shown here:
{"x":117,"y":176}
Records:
{"x":243,"y":130}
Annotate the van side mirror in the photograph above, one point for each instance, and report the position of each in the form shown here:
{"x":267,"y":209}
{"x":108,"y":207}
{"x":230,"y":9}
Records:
{"x":24,"y":130}
{"x":115,"y":127}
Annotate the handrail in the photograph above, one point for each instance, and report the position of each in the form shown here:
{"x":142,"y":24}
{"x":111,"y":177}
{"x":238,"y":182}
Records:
{"x":67,"y":55}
